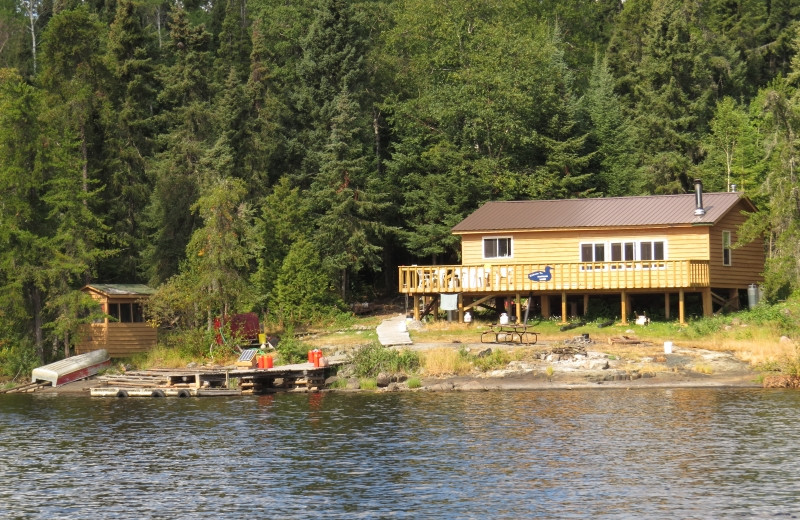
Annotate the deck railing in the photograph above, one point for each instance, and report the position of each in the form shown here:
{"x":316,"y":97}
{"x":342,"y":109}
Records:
{"x":494,"y":278}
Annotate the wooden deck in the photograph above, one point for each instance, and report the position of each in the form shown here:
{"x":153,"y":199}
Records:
{"x":514,"y":278}
{"x":222,"y":381}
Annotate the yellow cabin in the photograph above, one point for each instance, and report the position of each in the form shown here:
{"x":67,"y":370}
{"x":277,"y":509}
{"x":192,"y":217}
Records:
{"x":563,"y":252}
{"x":125,"y":332}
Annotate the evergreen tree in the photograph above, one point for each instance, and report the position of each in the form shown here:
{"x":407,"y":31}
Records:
{"x":333,"y":63}
{"x":302,"y":290}
{"x":486,"y":111}
{"x":76,"y":78}
{"x":285,"y":219}
{"x":234,"y":42}
{"x":217,"y":252}
{"x":130,"y":139}
{"x":611,"y":134}
{"x":778,"y":193}
{"x":22,"y":213}
{"x":49,"y":235}
{"x":347,"y":211}
{"x":673,"y":73}
{"x":189,"y":132}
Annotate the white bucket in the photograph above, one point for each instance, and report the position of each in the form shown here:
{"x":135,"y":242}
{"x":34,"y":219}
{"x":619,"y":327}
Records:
{"x":667,"y":347}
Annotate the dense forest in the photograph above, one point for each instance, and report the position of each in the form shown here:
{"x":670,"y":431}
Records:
{"x":285,"y":156}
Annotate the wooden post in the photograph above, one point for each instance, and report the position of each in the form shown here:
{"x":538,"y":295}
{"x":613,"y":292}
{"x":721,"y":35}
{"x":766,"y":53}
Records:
{"x":460,"y":308}
{"x":564,"y":307}
{"x":666,"y":305}
{"x":707,"y":308}
{"x":545,"y":304}
{"x":681,"y":307}
{"x":415,"y":299}
{"x":519,"y":308}
{"x":623,"y":304}
{"x":733,"y":296}
{"x":586,"y":304}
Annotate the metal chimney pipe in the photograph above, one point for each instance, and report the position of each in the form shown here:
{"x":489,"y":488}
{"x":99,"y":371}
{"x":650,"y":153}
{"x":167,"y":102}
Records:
{"x":698,"y":198}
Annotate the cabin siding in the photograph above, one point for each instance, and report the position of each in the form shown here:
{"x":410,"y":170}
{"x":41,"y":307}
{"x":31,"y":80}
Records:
{"x":119,"y":339}
{"x":563,"y":246}
{"x":747,"y":262}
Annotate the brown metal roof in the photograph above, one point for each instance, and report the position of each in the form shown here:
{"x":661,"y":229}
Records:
{"x":652,"y":210}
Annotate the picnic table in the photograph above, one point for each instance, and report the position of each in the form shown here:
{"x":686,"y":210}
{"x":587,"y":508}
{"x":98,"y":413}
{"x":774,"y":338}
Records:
{"x":509,"y":333}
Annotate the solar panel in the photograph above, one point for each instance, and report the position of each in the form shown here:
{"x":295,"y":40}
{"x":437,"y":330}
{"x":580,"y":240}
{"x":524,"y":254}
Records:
{"x":248,"y":354}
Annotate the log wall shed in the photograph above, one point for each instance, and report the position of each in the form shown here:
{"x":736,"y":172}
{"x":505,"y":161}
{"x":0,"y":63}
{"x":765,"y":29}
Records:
{"x":124,"y":331}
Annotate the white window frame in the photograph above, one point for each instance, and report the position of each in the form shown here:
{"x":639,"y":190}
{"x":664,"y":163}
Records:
{"x":727,"y":241}
{"x":624,"y":262}
{"x":497,"y":240}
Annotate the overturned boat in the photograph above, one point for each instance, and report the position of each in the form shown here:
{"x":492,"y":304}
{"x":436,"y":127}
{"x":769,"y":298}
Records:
{"x":72,"y":368}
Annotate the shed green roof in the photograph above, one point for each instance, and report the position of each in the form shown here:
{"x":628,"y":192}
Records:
{"x":120,"y":289}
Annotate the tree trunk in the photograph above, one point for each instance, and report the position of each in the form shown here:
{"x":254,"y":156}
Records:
{"x":38,"y":333}
{"x":85,"y":166}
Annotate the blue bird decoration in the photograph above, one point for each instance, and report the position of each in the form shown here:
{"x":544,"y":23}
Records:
{"x":541,"y":276}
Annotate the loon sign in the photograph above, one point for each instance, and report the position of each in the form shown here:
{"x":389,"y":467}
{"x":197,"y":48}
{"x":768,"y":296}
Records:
{"x":541,"y":276}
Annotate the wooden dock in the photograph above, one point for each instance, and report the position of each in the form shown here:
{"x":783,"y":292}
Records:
{"x":224,"y":381}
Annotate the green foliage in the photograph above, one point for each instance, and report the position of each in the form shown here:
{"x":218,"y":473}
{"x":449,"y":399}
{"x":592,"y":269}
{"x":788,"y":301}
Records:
{"x":496,"y":360}
{"x":370,"y":360}
{"x":17,"y":359}
{"x":414,"y":382}
{"x":303,"y":290}
{"x":291,"y":349}
{"x":367,"y":129}
{"x":368,"y":383}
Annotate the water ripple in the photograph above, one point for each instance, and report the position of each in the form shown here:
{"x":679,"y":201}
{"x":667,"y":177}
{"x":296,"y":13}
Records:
{"x":664,"y":453}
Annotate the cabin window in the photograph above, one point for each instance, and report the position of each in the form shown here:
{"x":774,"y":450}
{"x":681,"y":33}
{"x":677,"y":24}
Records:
{"x":651,"y":250}
{"x":646,"y":250}
{"x":126,"y":312}
{"x":726,"y":248}
{"x":497,"y":247}
{"x":113,"y":311}
{"x":593,"y":252}
{"x":622,"y":251}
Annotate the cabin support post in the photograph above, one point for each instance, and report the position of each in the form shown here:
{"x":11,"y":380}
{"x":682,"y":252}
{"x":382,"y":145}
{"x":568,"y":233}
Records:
{"x":415,"y":300}
{"x":563,"y":306}
{"x":545,"y":305}
{"x":666,"y":305}
{"x":682,"y":307}
{"x":707,"y":308}
{"x":623,"y":304}
{"x":733,"y":296}
{"x":586,"y":304}
{"x":460,"y":308}
{"x":519,"y":308}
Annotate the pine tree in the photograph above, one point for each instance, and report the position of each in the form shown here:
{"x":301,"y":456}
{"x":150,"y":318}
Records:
{"x":611,"y":135}
{"x":189,"y":124}
{"x":347,"y":211}
{"x":130,"y":139}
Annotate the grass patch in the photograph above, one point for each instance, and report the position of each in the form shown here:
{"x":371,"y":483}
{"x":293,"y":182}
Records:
{"x":372,"y":359}
{"x":368,"y":383}
{"x":339,"y":384}
{"x":414,"y":382}
{"x":702,"y":368}
{"x":444,"y":362}
{"x":495,"y":361}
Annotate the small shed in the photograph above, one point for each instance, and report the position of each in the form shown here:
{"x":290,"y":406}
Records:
{"x":123,"y":331}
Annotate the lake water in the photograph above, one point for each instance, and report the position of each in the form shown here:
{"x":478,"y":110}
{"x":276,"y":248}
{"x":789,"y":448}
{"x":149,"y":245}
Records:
{"x":645,"y":453}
